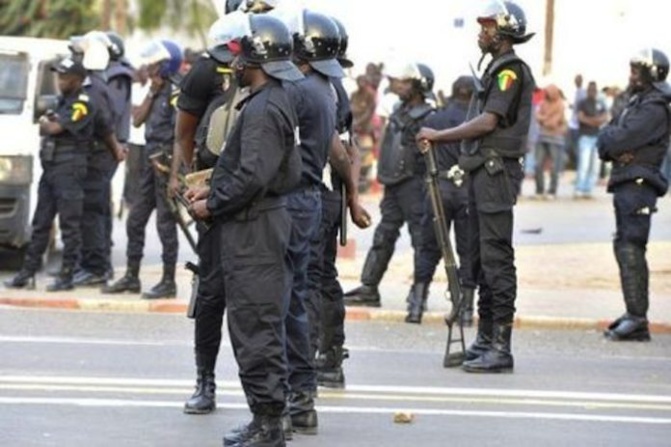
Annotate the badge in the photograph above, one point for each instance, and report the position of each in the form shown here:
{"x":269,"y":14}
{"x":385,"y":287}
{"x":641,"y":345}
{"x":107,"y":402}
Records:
{"x":506,"y":79}
{"x":79,"y":111}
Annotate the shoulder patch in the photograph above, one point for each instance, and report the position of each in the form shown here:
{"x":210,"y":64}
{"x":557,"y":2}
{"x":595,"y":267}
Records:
{"x":79,"y":111}
{"x":505,"y":79}
{"x":224,"y":70}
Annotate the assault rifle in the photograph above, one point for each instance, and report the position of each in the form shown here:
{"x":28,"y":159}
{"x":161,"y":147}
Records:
{"x":454,"y":288}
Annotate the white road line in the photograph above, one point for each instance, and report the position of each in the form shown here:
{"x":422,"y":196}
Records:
{"x":120,"y":403}
{"x":83,"y":341}
{"x":382,"y":389}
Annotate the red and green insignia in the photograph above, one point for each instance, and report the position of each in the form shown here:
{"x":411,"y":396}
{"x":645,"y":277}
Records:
{"x":506,"y":79}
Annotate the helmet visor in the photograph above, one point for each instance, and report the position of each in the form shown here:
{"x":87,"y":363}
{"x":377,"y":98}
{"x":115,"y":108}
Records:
{"x":643,"y":57}
{"x":230,"y":27}
{"x":154,"y":52}
{"x":402,"y":71}
{"x":495,"y":11}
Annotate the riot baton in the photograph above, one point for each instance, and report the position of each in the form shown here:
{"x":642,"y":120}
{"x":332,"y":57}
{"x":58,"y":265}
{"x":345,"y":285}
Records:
{"x":447,"y":253}
{"x":343,"y":215}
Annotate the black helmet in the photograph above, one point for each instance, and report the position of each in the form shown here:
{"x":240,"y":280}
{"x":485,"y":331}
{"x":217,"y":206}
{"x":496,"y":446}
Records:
{"x":345,"y":62}
{"x":424,"y":83}
{"x":269,"y":45}
{"x":463,"y":85}
{"x":259,"y":6}
{"x":232,"y":5}
{"x":509,"y":18}
{"x":117,"y":48}
{"x":319,"y":43}
{"x":654,"y":63}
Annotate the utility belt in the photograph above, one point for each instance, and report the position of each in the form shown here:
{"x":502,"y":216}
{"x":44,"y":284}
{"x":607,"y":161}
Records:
{"x":455,"y":175}
{"x":267,"y":203}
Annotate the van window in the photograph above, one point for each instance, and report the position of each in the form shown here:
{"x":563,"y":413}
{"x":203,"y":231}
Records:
{"x":47,"y":79}
{"x":13,"y":82}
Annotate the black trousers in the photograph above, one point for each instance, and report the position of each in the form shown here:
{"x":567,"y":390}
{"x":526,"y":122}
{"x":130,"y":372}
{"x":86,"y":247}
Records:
{"x":151,"y":197}
{"x":401,"y":203}
{"x":97,"y":218}
{"x":60,"y":192}
{"x":455,"y":205}
{"x":211,"y":300}
{"x":257,"y":278}
{"x":491,"y":201}
{"x":326,"y":309}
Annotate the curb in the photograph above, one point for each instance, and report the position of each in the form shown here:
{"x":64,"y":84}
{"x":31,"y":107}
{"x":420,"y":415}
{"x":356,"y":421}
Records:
{"x":352,"y":313}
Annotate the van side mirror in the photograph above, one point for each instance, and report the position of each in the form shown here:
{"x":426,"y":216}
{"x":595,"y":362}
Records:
{"x":44,"y":103}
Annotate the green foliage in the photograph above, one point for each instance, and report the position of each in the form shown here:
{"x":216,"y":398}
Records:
{"x":192,"y":16}
{"x":56,"y":19}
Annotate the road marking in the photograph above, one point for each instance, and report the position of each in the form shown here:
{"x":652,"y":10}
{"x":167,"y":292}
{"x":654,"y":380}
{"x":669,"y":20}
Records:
{"x":82,"y":341}
{"x":118,"y":403}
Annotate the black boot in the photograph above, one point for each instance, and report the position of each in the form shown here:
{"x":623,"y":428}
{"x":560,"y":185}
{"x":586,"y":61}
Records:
{"x":166,"y":288}
{"x":633,"y":325}
{"x":481,"y":344}
{"x":467,"y":306}
{"x":303,"y":413}
{"x":22,"y":280}
{"x":499,"y":357}
{"x":203,"y":399}
{"x":262,"y":431}
{"x":329,"y":367}
{"x":84,"y":278}
{"x":63,"y":281}
{"x":130,"y":282}
{"x":363,"y":295}
{"x":417,"y":302}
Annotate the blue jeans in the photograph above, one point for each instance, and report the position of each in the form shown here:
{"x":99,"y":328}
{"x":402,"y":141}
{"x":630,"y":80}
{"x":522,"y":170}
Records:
{"x":555,"y":153}
{"x":588,"y":164}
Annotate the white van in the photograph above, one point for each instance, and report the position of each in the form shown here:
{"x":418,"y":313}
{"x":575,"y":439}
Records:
{"x":27,"y":89}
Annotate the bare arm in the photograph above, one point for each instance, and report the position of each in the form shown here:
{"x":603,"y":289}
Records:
{"x":479,"y":126}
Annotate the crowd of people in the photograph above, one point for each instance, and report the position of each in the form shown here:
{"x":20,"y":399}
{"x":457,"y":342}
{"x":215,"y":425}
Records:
{"x":258,"y":118}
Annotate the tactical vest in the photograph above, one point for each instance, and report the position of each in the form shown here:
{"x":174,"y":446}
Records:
{"x":398,"y":152}
{"x":120,"y":72}
{"x":509,"y":138}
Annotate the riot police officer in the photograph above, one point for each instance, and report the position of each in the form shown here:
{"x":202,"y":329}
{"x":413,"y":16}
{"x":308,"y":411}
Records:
{"x":94,"y":49}
{"x":495,"y":132}
{"x":157,"y":113}
{"x":247,"y":200}
{"x":401,"y":170}
{"x":327,"y":315}
{"x":636,"y":142}
{"x":454,"y":194}
{"x":67,"y":134}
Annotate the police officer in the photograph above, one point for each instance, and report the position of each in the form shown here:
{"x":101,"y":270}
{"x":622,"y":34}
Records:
{"x":454,"y":194}
{"x":67,"y":134}
{"x":209,"y":86}
{"x":315,"y":51}
{"x":260,"y":164}
{"x":636,"y":143}
{"x":495,"y":131}
{"x":401,"y":170}
{"x":157,"y":113}
{"x":94,"y":48}
{"x":327,"y":315}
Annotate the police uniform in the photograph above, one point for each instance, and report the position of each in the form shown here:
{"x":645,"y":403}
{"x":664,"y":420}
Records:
{"x":401,"y":170}
{"x":60,"y":190}
{"x":247,"y":202}
{"x":209,"y":82}
{"x":454,"y":194}
{"x":97,"y":187}
{"x":493,"y":164}
{"x":314,"y":102}
{"x":641,"y":130}
{"x":159,"y":136}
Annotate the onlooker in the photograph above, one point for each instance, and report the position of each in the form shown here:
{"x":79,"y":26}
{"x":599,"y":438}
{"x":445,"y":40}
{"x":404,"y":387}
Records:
{"x":534,"y":131}
{"x":550,"y":146}
{"x":574,"y":124}
{"x":592,"y":114}
{"x":363,"y":102}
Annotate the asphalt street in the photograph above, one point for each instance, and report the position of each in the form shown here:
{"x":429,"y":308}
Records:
{"x":114,"y":379}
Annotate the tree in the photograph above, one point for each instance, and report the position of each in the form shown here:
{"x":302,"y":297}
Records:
{"x":58,"y":19}
{"x":192,"y":16}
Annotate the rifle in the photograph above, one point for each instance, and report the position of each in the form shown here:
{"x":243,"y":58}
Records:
{"x":454,"y":288}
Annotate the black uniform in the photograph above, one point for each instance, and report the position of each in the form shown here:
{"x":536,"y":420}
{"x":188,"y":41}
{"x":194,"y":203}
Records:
{"x":61,"y":187}
{"x":454,"y":194}
{"x":401,"y":170}
{"x":159,"y":136}
{"x":203,"y":86}
{"x":314,"y":102}
{"x":494,"y":166}
{"x":97,"y":186}
{"x":259,"y":165}
{"x":641,"y":130}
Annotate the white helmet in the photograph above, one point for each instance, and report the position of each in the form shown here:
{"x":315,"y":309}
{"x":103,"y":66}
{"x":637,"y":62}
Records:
{"x":94,"y":46}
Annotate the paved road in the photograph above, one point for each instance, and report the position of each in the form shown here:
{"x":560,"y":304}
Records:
{"x":92,"y":379}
